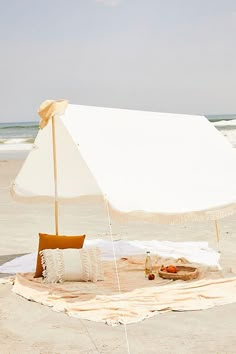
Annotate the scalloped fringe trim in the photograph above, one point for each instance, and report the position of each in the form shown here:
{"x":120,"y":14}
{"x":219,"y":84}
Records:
{"x":44,"y":260}
{"x":60,"y":266}
{"x":91,"y":264}
{"x":85,"y":265}
{"x":53,"y":267}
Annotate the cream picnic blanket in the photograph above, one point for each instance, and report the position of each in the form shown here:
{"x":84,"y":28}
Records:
{"x":140,"y":298}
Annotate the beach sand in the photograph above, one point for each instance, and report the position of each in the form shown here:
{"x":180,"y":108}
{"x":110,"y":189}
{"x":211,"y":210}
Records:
{"x":27,"y":327}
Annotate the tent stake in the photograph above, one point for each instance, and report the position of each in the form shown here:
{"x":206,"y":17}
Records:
{"x":55,"y":174}
{"x":217,"y":235}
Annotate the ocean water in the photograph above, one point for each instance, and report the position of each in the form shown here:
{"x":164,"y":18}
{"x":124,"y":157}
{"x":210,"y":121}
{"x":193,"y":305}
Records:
{"x":18,"y":133}
{"x":226,"y":124}
{"x":16,"y":136}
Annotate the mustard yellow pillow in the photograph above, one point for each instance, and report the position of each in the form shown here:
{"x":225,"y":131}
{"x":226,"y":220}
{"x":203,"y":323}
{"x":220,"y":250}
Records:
{"x":52,"y":242}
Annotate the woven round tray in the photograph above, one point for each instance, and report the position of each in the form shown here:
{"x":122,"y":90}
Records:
{"x":184,"y":273}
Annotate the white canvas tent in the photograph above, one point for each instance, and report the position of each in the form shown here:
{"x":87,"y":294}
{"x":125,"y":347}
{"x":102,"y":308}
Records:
{"x":164,"y":168}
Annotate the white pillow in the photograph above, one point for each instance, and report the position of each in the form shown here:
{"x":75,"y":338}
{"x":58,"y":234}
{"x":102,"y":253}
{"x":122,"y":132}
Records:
{"x":72,"y":264}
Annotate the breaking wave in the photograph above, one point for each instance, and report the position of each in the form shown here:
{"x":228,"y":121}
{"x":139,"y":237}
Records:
{"x":17,"y":141}
{"x":225,"y":123}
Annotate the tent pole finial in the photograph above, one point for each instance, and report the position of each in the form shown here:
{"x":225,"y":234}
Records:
{"x":217,"y":235}
{"x":55,"y":174}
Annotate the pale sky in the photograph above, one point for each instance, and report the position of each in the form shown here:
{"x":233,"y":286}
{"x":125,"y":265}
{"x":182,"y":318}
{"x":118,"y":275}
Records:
{"x":159,"y":55}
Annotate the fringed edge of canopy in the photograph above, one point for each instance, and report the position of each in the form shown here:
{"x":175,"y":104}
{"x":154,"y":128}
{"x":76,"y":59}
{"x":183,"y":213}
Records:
{"x":175,"y":218}
{"x":50,"y":200}
{"x":135,"y":216}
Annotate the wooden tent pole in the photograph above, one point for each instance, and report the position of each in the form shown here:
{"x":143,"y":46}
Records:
{"x":55,"y":174}
{"x":217,"y":235}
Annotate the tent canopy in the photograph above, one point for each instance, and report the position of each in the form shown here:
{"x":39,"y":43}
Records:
{"x":160,"y":167}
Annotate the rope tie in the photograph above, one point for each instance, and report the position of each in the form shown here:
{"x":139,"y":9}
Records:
{"x":116,"y":267}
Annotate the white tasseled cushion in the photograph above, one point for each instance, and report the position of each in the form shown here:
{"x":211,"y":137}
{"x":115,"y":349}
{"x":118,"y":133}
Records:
{"x":71,"y":264}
